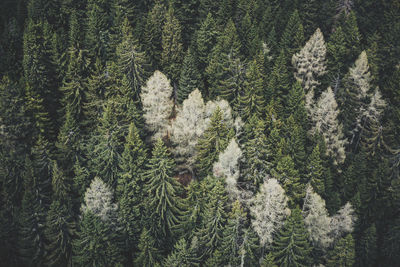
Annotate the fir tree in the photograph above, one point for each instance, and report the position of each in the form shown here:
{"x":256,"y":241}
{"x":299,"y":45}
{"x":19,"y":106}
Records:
{"x":96,"y":243}
{"x":153,"y":33}
{"x":257,"y":153}
{"x":190,"y":78}
{"x":228,"y":46}
{"x":97,"y":32}
{"x":172,"y":47}
{"x":148,"y":255}
{"x":214,"y":140}
{"x":252,"y":101}
{"x":130,"y":187}
{"x":182,"y":255}
{"x":163,"y":201}
{"x":291,"y":247}
{"x":132,"y":62}
{"x":238,"y":244}
{"x":215,"y":215}
{"x":343,"y":253}
{"x":315,"y":171}
{"x":32,"y":220}
{"x":206,"y":37}
{"x":74,"y":84}
{"x":286,"y":173}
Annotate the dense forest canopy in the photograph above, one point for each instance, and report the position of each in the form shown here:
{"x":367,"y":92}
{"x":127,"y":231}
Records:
{"x":200,"y":133}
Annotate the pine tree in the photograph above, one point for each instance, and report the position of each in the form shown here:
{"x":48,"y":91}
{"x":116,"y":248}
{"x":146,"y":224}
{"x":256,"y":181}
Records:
{"x":316,"y":172}
{"x":163,"y":201}
{"x":74,"y":85}
{"x":153,"y":33}
{"x":96,"y":243}
{"x":190,"y":78}
{"x":172,"y":47}
{"x":286,"y":173}
{"x":98,"y":237}
{"x":132,"y":62}
{"x":228,"y":46}
{"x":157,"y":103}
{"x":227,"y":167}
{"x":214,"y":140}
{"x":206,"y":38}
{"x":252,"y":101}
{"x":105,"y":148}
{"x":257,"y":153}
{"x":187,"y":128}
{"x":238,"y":244}
{"x":325,"y":117}
{"x":343,"y":253}
{"x":32,"y":243}
{"x":214,"y":219}
{"x":291,"y":247}
{"x":98,"y":29}
{"x":183,"y":255}
{"x":148,"y":255}
{"x":269,"y":210}
{"x":310,"y":64}
{"x":130,"y":187}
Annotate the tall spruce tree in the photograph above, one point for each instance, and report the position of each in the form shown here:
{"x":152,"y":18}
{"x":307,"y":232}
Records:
{"x":172,"y":47}
{"x":190,"y":78}
{"x":291,"y":247}
{"x":214,"y":140}
{"x":163,"y":201}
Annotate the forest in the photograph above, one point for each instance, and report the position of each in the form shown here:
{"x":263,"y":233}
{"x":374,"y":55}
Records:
{"x":200,"y":133}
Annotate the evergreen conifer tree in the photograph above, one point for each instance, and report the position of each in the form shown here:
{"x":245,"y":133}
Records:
{"x":172,"y":47}
{"x":291,"y":246}
{"x":214,"y":140}
{"x":190,"y":78}
{"x":163,"y":201}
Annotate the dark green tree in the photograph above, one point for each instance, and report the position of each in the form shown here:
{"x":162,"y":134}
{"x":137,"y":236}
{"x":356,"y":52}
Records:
{"x":96,"y":243}
{"x":172,"y":47}
{"x":343,"y":253}
{"x":130,"y":187}
{"x":132,"y":62}
{"x":153,"y":33}
{"x":257,"y":153}
{"x":190,"y":78}
{"x":163,"y":201}
{"x":214,"y":140}
{"x":183,"y":255}
{"x":291,"y":246}
{"x":252,"y":100}
{"x":206,"y":38}
{"x":148,"y":254}
{"x":315,"y":171}
{"x":239,"y":243}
